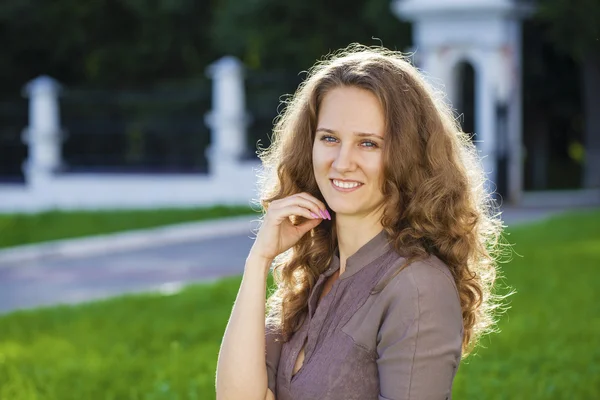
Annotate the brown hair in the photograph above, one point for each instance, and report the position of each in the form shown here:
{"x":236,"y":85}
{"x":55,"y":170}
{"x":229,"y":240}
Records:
{"x":437,"y":203}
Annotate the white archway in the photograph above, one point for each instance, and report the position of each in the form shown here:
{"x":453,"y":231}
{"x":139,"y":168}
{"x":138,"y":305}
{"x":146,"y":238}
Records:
{"x":487,"y":35}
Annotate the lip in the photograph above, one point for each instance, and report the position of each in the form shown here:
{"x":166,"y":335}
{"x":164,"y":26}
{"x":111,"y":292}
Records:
{"x":344,"y":180}
{"x":344,"y":190}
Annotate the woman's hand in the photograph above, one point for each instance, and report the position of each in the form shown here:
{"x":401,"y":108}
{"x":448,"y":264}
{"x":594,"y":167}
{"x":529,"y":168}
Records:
{"x":277,"y":233}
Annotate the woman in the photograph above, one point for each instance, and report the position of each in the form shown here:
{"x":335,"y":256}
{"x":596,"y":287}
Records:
{"x":381,"y":234}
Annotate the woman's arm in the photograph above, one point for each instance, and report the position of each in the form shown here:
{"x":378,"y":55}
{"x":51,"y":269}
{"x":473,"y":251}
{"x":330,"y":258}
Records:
{"x":420,"y":339}
{"x":241,"y":368}
{"x":242,"y":364}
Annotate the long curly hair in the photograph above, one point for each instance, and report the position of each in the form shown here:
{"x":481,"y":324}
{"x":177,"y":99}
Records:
{"x":434,"y":185}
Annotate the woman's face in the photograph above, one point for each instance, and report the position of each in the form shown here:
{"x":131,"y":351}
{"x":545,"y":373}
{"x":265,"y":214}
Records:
{"x":347,"y":151}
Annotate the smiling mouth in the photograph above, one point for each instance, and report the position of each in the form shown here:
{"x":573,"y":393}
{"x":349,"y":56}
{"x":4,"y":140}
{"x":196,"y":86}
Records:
{"x":345,"y":186}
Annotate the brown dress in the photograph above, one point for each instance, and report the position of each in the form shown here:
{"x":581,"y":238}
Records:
{"x":402,"y":343}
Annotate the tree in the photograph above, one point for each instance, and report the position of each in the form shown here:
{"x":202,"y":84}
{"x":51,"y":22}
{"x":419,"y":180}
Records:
{"x":277,"y":40}
{"x":574,"y":26}
{"x":111,"y":43}
{"x":275,"y":34}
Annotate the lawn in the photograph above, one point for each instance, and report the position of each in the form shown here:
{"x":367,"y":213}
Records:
{"x":18,"y":229}
{"x":165,"y":347}
{"x":548,"y":347}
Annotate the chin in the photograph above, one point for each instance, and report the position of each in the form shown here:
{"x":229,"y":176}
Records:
{"x":344,"y":209}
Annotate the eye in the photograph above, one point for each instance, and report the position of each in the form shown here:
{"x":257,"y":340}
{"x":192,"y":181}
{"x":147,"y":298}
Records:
{"x":366,"y":143}
{"x":369,"y":143}
{"x":328,"y":139}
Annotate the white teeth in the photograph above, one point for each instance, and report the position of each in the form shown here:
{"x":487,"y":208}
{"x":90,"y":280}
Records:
{"x":345,"y":185}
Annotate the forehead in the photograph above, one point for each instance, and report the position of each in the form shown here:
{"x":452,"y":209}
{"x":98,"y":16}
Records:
{"x":351,"y":109}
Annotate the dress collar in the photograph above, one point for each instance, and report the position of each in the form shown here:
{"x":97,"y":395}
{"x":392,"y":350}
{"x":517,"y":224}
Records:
{"x":368,"y":253}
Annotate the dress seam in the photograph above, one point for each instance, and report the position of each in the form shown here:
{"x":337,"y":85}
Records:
{"x":412,"y":364}
{"x":445,"y":273}
{"x":372,"y":353}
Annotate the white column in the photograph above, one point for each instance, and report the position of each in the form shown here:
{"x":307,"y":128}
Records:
{"x":515,"y":122}
{"x":43,"y":135}
{"x":435,"y":71}
{"x":485,"y":115}
{"x":228,"y":118}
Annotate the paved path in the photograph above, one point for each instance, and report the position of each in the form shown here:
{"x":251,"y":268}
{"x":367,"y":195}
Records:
{"x":49,"y":280}
{"x":70,"y":280}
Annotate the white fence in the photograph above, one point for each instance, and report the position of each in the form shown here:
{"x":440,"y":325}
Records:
{"x":230,"y":181}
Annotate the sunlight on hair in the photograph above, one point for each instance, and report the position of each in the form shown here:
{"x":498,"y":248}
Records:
{"x":435,"y":186}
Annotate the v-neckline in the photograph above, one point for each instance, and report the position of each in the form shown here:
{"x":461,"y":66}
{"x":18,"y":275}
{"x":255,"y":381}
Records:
{"x":305,"y":342}
{"x":322,"y":295}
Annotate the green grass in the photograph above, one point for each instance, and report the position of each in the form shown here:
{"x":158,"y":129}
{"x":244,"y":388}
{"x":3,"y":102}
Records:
{"x":165,"y":347}
{"x":131,"y":347}
{"x":549,"y":344}
{"x":19,"y":229}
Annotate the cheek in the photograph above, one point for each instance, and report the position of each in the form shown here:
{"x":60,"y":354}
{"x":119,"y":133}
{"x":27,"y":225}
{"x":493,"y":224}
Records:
{"x":375,"y":171}
{"x":320,"y":159}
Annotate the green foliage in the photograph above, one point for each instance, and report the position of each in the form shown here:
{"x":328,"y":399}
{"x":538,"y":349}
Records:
{"x":138,"y":42}
{"x":141,"y":44}
{"x":277,"y":40}
{"x":270,"y":34}
{"x":573,"y":25}
{"x":165,"y":347}
{"x":18,"y":229}
{"x":109,"y":42}
{"x":553,"y":117}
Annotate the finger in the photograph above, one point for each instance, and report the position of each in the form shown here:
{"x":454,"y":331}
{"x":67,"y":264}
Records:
{"x":314,"y":200}
{"x":303,"y":195}
{"x":302,"y":202}
{"x":321,"y":208}
{"x":285,"y":212}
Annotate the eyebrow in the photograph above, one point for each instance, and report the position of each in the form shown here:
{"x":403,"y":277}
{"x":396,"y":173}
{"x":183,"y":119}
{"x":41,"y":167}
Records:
{"x":360,"y":134}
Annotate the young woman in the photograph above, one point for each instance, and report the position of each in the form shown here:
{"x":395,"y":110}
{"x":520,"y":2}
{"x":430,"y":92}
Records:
{"x":382,"y":238}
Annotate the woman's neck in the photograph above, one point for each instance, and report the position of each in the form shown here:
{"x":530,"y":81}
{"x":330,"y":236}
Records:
{"x":354,"y":233}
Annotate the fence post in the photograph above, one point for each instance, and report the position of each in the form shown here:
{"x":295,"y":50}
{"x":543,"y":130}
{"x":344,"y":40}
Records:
{"x":228,"y":118}
{"x":43,"y":135}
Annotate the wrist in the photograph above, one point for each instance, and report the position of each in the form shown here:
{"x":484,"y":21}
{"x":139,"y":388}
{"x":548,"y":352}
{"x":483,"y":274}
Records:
{"x":257,"y":262}
{"x":256,"y":257}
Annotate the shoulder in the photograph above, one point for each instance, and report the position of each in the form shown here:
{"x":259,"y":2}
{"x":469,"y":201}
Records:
{"x":420,"y":284}
{"x":419,"y":340}
{"x":421,"y":295}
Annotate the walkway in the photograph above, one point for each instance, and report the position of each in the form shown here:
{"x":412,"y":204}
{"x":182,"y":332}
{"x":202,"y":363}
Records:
{"x":163,"y":259}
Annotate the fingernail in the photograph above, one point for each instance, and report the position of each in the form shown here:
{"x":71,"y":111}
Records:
{"x":328,"y":215}
{"x":314,"y":215}
{"x":322,"y":214}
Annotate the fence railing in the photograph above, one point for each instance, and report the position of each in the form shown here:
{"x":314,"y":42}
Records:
{"x":152,"y":130}
{"x":13,"y":118}
{"x":155,"y":131}
{"x":169,"y":146}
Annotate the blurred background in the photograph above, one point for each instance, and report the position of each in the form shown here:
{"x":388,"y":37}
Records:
{"x":128,"y":138}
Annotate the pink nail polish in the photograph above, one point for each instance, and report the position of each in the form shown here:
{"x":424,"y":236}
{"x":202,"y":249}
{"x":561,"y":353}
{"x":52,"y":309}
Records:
{"x":322,"y":214}
{"x":314,"y":215}
{"x":328,"y":215}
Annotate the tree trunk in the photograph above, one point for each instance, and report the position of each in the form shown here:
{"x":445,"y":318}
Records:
{"x":591,"y":107}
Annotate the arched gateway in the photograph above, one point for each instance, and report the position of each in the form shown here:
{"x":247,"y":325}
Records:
{"x":474,"y":48}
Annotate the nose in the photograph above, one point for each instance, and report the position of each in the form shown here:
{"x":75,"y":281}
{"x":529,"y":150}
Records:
{"x":344,"y":160}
